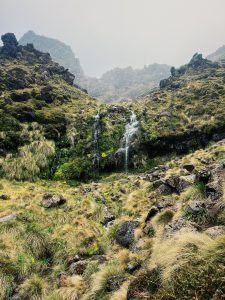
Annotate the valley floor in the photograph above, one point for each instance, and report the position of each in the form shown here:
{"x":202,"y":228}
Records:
{"x":159,"y":235}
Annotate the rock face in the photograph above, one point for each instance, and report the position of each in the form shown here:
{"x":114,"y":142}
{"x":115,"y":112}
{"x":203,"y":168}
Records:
{"x":50,"y":200}
{"x":10,"y":44}
{"x":125,"y":233}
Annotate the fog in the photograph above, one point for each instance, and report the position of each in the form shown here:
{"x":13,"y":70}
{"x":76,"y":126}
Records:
{"x":116,"y":33}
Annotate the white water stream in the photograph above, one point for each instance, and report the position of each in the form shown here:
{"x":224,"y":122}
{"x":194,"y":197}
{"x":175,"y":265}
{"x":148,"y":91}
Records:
{"x":130,"y":130}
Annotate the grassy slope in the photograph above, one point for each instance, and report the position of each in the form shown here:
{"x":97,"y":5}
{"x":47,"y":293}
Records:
{"x":198,"y":104}
{"x":41,"y":243}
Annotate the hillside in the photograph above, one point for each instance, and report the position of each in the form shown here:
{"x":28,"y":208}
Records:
{"x":155,"y":236}
{"x":110,"y":202}
{"x":188,"y":110}
{"x":115,"y":85}
{"x":60,"y":52}
{"x":218,"y":55}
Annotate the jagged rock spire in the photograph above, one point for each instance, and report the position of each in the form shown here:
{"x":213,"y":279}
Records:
{"x":10,"y":44}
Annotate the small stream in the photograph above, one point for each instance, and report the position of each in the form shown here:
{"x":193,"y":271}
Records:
{"x":96,"y":132}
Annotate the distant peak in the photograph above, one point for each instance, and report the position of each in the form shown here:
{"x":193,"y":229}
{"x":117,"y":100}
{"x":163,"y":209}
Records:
{"x":30,"y":32}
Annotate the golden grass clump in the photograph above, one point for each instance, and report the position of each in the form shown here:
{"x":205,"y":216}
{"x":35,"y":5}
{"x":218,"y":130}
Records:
{"x":192,"y":266}
{"x":101,"y":279}
{"x":73,"y":288}
{"x":34,"y":287}
{"x":121,"y":294}
{"x":29,"y":161}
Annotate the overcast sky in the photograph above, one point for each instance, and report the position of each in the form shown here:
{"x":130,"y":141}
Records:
{"x":118,"y":33}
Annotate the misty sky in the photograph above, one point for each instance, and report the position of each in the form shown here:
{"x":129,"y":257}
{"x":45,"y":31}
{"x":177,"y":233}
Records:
{"x":118,"y":33}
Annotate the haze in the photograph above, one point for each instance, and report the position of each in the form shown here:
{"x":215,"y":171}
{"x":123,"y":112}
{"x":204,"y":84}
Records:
{"x":117,"y":33}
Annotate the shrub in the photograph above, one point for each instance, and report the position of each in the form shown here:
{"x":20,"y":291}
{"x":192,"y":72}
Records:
{"x":78,"y":168}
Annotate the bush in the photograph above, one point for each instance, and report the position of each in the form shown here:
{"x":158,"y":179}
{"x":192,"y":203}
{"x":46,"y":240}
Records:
{"x":77,"y":169}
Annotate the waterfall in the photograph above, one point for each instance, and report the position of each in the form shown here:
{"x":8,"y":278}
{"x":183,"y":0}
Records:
{"x":96,"y":131}
{"x":130,"y":130}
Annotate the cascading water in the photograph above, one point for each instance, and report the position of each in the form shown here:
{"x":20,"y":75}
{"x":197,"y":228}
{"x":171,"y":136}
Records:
{"x":96,"y":131}
{"x":130,"y":130}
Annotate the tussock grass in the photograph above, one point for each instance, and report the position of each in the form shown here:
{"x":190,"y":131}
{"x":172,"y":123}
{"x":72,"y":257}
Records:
{"x":121,"y":294}
{"x":73,"y":288}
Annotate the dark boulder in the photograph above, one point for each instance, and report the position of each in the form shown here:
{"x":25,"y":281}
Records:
{"x":51,"y":200}
{"x":47,"y":94}
{"x":165,"y":203}
{"x":125,"y":233}
{"x":20,"y":97}
{"x":4,"y":197}
{"x":179,"y":183}
{"x":164,"y":189}
{"x":214,"y":190}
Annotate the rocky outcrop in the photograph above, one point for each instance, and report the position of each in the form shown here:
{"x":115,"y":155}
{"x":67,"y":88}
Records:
{"x":20,"y":78}
{"x":182,"y":143}
{"x":10,"y":45}
{"x":197,"y":62}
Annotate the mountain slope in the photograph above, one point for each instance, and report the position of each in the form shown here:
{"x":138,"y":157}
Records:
{"x":187,"y":111}
{"x":60,"y":52}
{"x":218,"y":55}
{"x":156,"y":236}
{"x":126,"y":83}
{"x":40,"y":104}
